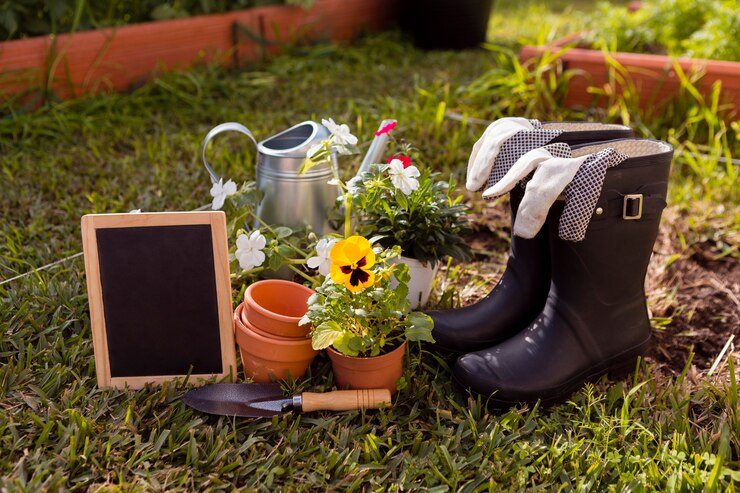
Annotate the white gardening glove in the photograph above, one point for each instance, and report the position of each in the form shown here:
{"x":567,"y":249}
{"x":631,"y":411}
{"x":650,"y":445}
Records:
{"x":485,"y":151}
{"x":551,"y":176}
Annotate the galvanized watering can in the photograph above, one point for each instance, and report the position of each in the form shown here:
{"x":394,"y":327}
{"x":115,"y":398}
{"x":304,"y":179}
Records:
{"x":289,"y":199}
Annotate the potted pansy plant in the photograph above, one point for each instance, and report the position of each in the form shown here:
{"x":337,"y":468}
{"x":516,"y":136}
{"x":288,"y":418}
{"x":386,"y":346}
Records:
{"x":362,"y":321}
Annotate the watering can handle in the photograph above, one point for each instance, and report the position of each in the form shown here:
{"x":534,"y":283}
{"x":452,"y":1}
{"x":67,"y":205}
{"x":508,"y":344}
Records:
{"x":224,"y":127}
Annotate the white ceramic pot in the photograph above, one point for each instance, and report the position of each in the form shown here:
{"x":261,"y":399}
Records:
{"x":420,"y":284}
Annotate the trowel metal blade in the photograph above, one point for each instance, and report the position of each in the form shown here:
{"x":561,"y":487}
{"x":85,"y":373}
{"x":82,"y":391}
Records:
{"x":251,"y":400}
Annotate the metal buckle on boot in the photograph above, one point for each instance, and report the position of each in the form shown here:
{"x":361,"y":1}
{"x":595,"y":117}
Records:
{"x":629,"y":205}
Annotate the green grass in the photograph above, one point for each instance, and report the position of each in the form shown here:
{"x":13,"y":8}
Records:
{"x":655,"y":431}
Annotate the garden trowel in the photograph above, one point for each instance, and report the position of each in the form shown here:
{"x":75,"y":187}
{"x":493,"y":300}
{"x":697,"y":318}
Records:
{"x":266,"y":399}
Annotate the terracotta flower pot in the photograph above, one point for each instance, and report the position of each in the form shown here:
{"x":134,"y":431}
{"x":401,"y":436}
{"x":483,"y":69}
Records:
{"x":275,"y":307}
{"x":378,"y":372}
{"x":265,"y":357}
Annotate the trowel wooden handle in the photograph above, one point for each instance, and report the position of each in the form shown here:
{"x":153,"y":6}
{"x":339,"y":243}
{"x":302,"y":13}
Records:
{"x":345,"y":400}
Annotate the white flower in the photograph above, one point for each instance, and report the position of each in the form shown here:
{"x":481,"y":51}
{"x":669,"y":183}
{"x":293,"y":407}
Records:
{"x":249,"y":250}
{"x":219,"y":192}
{"x":322,"y":261}
{"x":405,"y":179}
{"x":340,"y":134}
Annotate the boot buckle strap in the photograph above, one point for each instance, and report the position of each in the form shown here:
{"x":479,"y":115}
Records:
{"x":632,"y":207}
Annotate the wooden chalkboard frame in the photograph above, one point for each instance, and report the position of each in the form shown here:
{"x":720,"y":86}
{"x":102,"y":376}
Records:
{"x":217,"y":222}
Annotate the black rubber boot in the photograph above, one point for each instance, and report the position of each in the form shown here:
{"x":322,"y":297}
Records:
{"x":522,"y":290}
{"x":595,"y":319}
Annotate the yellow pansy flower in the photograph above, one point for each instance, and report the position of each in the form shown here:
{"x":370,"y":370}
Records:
{"x":351,"y":260}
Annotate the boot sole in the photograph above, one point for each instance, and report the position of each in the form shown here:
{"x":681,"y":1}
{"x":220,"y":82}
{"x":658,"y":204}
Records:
{"x":615,"y":367}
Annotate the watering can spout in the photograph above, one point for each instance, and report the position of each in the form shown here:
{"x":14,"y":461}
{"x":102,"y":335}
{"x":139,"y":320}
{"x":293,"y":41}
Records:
{"x":376,"y":149}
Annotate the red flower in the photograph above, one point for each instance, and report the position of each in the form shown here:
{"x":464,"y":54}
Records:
{"x":404,"y":159}
{"x":386,"y":128}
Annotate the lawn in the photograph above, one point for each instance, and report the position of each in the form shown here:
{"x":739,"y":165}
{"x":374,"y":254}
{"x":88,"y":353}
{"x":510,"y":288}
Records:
{"x":673,"y":425}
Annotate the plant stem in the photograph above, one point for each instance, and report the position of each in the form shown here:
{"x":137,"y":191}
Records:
{"x":267,"y":227}
{"x":303,"y":275}
{"x":347,"y":214}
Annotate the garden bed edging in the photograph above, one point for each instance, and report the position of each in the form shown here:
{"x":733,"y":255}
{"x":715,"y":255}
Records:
{"x":69,"y":65}
{"x":653,"y":76}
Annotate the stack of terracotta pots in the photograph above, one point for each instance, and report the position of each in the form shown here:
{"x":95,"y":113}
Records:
{"x":272,"y":344}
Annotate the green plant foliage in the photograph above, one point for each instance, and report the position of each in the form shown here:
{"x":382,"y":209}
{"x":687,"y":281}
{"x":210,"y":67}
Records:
{"x":427,"y":224}
{"x":24,"y":18}
{"x":695,"y":28}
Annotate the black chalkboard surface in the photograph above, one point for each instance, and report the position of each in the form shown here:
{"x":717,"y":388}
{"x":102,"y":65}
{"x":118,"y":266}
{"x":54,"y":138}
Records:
{"x":160,"y":298}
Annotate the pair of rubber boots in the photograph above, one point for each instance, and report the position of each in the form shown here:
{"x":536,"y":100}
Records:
{"x":567,"y":312}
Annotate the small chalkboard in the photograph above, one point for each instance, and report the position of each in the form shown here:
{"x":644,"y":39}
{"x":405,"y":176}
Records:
{"x":160,"y":296}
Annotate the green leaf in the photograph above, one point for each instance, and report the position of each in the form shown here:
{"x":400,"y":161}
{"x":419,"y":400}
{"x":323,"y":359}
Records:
{"x":376,"y":238}
{"x":345,"y":343}
{"x":282,"y":232}
{"x":274,"y":262}
{"x":325,"y":335}
{"x":421,"y":327}
{"x":401,"y":199}
{"x":285,"y":251}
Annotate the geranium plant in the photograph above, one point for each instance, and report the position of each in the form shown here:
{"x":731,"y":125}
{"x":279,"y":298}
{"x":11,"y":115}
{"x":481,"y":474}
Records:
{"x":409,"y":207}
{"x":356,"y":311}
{"x":398,"y":202}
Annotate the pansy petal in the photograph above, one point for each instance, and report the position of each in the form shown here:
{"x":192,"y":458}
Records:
{"x":337,"y":275}
{"x":218,"y":187}
{"x":314,"y":262}
{"x":325,"y":268}
{"x":370,"y":279}
{"x":338,"y":254}
{"x":369,"y":258}
{"x":322,"y":249}
{"x":315,"y":149}
{"x":245,"y":262}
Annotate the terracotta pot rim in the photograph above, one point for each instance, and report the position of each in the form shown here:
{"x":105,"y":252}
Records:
{"x":249,"y":299}
{"x":246,"y":326}
{"x":380,"y":357}
{"x":244,"y":318}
